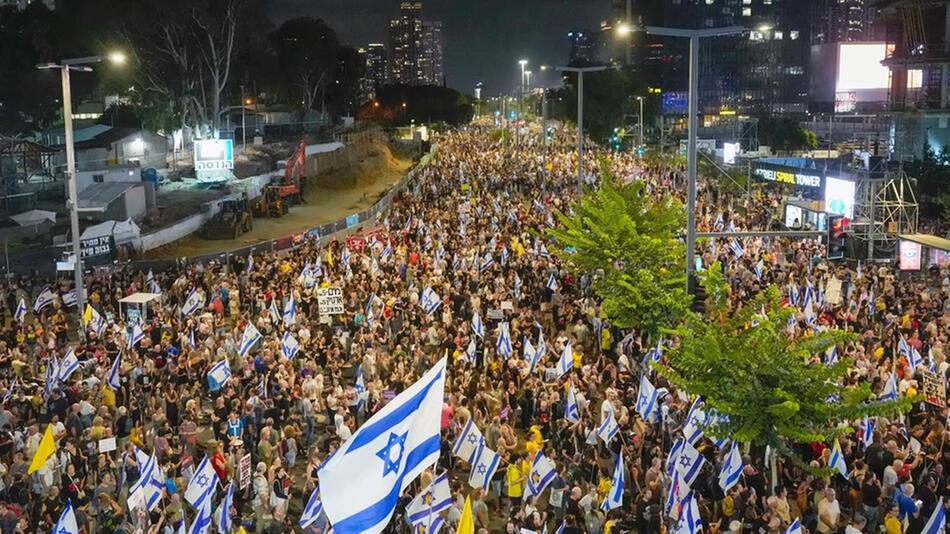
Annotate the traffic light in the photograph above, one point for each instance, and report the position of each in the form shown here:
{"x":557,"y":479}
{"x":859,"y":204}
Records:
{"x":699,"y":295}
{"x":837,"y":229}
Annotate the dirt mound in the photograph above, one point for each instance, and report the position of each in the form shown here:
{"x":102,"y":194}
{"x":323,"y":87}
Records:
{"x":356,"y":165}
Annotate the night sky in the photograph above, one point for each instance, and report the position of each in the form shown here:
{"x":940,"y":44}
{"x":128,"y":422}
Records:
{"x":483,"y":38}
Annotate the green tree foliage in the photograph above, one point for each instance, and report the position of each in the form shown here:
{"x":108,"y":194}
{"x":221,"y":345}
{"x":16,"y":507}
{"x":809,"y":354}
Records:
{"x":772,"y":389}
{"x":609,"y":96}
{"x":423,"y":104}
{"x":628,"y":239}
{"x":786,"y":134}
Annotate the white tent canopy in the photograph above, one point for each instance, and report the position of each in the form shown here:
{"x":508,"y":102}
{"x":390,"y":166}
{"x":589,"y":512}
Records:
{"x":33,"y":217}
{"x":122,"y":231}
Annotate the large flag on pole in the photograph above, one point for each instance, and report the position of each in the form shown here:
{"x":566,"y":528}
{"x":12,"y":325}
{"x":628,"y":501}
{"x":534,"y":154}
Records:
{"x":45,"y":449}
{"x":425,"y":508}
{"x":614,"y":497}
{"x":361,"y":484}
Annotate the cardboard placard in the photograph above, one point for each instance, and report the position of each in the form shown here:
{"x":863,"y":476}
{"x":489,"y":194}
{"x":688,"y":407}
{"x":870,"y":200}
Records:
{"x":107,"y":445}
{"x":496,"y":314}
{"x":934,"y":389}
{"x":244,"y":471}
{"x":330,"y":300}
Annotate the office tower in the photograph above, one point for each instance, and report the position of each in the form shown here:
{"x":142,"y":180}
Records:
{"x":582,"y":46}
{"x":416,"y":48}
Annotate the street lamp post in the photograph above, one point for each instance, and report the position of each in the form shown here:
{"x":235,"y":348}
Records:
{"x":693,"y":125}
{"x":640,"y":98}
{"x":243,"y":123}
{"x":580,"y":117}
{"x":82,"y":65}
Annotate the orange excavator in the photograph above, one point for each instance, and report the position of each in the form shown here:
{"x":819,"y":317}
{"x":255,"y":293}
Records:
{"x":284,"y":189}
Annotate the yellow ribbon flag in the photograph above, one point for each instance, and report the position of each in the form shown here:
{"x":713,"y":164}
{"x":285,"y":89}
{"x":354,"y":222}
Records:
{"x":87,"y":314}
{"x":466,"y":522}
{"x":46,"y":449}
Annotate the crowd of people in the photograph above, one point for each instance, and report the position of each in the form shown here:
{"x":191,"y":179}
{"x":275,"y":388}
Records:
{"x":467,"y":228}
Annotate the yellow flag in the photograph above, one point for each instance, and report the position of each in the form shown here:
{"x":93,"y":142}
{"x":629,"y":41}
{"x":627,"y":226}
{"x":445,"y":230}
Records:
{"x":466,"y":522}
{"x":45,"y":450}
{"x":87,"y":314}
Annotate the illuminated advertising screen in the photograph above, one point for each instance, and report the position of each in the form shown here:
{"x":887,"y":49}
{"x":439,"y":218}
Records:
{"x":910,"y":255}
{"x":839,"y":197}
{"x":675,"y":102}
{"x":862,"y":77}
{"x":214,"y":154}
{"x":793,"y":216}
{"x":729,"y":151}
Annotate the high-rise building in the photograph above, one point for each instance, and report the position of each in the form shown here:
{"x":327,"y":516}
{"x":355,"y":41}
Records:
{"x":582,"y":46}
{"x":415,"y":47}
{"x":430,"y":56}
{"x":21,"y":4}
{"x":764,"y":69}
{"x":377,"y":64}
{"x":844,"y":21}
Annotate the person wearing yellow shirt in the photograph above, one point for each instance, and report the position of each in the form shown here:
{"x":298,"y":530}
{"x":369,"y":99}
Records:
{"x":514,"y":480}
{"x":534,"y":443}
{"x":892,"y":524}
{"x":108,"y":396}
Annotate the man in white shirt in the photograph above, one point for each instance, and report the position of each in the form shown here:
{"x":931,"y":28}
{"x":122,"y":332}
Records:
{"x":857,"y":525}
{"x":829,"y":513}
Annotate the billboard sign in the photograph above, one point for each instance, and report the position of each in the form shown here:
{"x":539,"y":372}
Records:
{"x":805,"y":178}
{"x":839,"y":197}
{"x":910,"y":253}
{"x":675,"y":102}
{"x":214,"y":155}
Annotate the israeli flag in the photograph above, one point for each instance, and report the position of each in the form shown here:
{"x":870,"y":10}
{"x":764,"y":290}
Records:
{"x":20,"y":313}
{"x":202,"y":485}
{"x":689,"y":463}
{"x":720,"y":224}
{"x":938,"y":519}
{"x":566,"y":362}
{"x":648,"y":401}
{"x":360,"y":387}
{"x":539,"y":352}
{"x":837,"y":460}
{"x":673,"y":455}
{"x":552,"y":283}
{"x":793,"y":295}
{"x":250,"y":337}
{"x":543,"y":471}
{"x":250,"y":263}
{"x":731,"y":468}
{"x":44,"y":299}
{"x":831,"y":355}
{"x":560,"y":529}
{"x":345,"y":256}
{"x":113,"y":379}
{"x":430,"y":301}
{"x":312,"y":510}
{"x":795,"y":528}
{"x":192,"y":302}
{"x":137,"y":335}
{"x":608,"y":429}
{"x":736,"y":248}
{"x":915,"y":359}
{"x":503,"y":344}
{"x":191,"y":338}
{"x":466,"y":444}
{"x":52,"y":375}
{"x":387,"y":252}
{"x":759,"y":268}
{"x":614,"y":497}
{"x":487,"y":261}
{"x":675,"y":496}
{"x":223,"y":519}
{"x":695,"y":421}
{"x":290,"y":311}
{"x":66,"y":524}
{"x":572,"y":411}
{"x":504,"y":256}
{"x":890,"y":388}
{"x":147,"y":490}
{"x":903,"y":347}
{"x":218,"y":375}
{"x":430,"y":502}
{"x":483,"y":467}
{"x":362,"y":483}
{"x":469,"y":354}
{"x":517,"y":287}
{"x":478,"y":328}
{"x":528,"y":351}
{"x":202,"y":522}
{"x":867,"y":432}
{"x":689,"y":522}
{"x":68,"y":365}
{"x":544,"y":252}
{"x":69,"y":298}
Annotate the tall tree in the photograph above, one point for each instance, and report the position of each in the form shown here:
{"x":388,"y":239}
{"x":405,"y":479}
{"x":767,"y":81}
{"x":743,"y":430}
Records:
{"x":306,"y":51}
{"x":628,"y":239}
{"x":772,"y":388}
